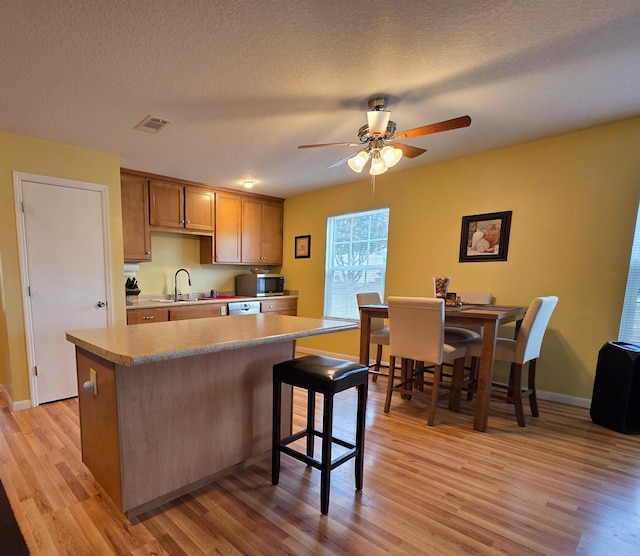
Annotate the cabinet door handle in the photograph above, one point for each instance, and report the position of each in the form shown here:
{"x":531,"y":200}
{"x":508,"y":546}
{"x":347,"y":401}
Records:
{"x":188,"y":221}
{"x":148,"y":318}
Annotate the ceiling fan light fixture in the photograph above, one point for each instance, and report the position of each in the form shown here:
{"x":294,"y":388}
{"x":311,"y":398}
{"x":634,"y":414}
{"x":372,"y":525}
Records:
{"x":390,"y":155}
{"x":357,"y":162}
{"x":377,"y":164}
{"x":378,"y":120}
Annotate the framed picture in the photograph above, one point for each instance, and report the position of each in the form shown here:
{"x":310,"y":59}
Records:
{"x":485,"y":237}
{"x":303,"y":247}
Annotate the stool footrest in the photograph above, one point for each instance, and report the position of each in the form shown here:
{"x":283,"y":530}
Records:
{"x":304,"y":433}
{"x":317,"y":464}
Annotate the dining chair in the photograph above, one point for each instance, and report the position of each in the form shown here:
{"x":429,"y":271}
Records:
{"x":379,"y":332}
{"x":524,"y":349}
{"x":468,"y":332}
{"x":417,"y":338}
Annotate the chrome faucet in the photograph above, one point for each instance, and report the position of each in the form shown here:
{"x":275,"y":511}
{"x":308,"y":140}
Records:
{"x":175,"y":282}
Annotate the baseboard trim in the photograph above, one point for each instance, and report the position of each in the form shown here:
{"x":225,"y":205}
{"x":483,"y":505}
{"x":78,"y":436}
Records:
{"x":563,"y":398}
{"x":14,"y":406}
{"x":542,"y":394}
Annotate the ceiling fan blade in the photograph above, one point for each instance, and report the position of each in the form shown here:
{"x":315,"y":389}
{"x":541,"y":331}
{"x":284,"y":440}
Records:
{"x":455,"y":123}
{"x":329,"y":145}
{"x":408,"y":150}
{"x":344,"y":159}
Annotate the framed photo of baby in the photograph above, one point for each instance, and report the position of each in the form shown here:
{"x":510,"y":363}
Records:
{"x":485,"y":237}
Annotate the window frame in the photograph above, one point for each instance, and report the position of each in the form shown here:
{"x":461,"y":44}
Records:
{"x":371,"y":272}
{"x":629,"y":330}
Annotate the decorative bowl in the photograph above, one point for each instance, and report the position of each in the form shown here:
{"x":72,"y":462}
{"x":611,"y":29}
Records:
{"x":260,"y":270}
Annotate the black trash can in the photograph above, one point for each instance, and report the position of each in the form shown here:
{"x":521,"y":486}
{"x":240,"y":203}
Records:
{"x":615,"y":403}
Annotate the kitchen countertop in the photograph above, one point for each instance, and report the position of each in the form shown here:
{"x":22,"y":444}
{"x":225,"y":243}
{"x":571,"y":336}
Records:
{"x":152,"y":303}
{"x":131,"y":345}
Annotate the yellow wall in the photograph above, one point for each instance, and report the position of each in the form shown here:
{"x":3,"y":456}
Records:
{"x":574,"y":200}
{"x":36,"y":156}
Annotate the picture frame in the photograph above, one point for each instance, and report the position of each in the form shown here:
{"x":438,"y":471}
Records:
{"x":485,"y":237}
{"x":303,"y":247}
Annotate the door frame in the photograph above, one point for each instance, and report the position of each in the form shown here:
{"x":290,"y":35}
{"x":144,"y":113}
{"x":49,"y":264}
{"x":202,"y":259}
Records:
{"x":18,"y":178}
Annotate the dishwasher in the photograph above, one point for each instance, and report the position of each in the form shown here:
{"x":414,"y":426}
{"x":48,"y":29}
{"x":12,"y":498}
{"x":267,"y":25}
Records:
{"x":244,"y":308}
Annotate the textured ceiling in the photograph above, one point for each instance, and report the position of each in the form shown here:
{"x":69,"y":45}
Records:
{"x":244,"y":82}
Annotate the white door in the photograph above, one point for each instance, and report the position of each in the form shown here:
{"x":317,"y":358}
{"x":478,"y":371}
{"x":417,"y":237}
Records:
{"x":66,"y":278}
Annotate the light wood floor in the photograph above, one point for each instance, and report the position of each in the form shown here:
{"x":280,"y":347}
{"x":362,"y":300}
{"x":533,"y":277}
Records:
{"x":562,"y":486}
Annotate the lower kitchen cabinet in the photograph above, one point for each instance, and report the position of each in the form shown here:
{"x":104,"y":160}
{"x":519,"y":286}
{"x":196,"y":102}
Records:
{"x":202,"y":310}
{"x":196,"y":311}
{"x":288,"y":306}
{"x":144,"y":316}
{"x":182,"y":312}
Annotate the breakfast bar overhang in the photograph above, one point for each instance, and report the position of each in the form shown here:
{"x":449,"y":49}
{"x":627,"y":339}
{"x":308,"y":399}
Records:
{"x":166,"y":408}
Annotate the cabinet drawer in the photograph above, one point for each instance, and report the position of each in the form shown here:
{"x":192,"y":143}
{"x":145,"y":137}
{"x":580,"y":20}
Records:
{"x":143,"y":316}
{"x":280,"y":306}
{"x":195,"y":311}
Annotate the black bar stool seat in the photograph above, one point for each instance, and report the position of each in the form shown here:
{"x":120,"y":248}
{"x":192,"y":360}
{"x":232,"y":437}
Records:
{"x":327,"y":376}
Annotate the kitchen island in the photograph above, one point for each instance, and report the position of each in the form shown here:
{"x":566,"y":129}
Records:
{"x":167,"y":408}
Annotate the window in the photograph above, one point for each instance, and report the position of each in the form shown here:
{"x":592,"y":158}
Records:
{"x":630,"y":321}
{"x":356,"y":260}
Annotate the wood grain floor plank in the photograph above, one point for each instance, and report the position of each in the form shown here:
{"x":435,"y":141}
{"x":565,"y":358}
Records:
{"x":560,"y":486}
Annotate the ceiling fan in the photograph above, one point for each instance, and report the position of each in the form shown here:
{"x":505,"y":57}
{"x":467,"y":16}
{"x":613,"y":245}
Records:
{"x":378,"y":139}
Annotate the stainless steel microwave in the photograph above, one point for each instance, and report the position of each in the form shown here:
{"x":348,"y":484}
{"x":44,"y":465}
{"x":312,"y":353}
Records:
{"x":259,"y":285}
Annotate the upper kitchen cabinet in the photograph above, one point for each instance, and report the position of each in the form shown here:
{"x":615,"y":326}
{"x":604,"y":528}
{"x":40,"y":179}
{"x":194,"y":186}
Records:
{"x":225,"y":245}
{"x":135,"y":218}
{"x":248,"y":231}
{"x":261,"y":231}
{"x":228,"y":235}
{"x":177,"y":207}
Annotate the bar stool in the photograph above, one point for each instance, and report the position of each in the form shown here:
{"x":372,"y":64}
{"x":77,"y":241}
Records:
{"x":328,"y":376}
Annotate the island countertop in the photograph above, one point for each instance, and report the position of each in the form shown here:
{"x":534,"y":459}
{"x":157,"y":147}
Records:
{"x":131,"y":345}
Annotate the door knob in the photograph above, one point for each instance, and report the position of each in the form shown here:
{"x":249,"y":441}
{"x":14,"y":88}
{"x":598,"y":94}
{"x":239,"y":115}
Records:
{"x":100,"y":304}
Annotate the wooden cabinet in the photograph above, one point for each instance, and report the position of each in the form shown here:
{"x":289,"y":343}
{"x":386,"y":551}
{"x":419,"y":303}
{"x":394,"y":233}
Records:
{"x":234,"y":228}
{"x":144,"y":316}
{"x":288,"y":306}
{"x":174,"y":207}
{"x":196,"y":311}
{"x":136,"y":236}
{"x":225,"y":245}
{"x":248,"y":230}
{"x":261,"y":231}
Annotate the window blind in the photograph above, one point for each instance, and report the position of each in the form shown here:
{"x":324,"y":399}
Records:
{"x":630,"y":320}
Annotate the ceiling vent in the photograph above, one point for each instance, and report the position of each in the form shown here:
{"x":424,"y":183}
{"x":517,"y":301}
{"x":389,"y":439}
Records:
{"x":151,"y":124}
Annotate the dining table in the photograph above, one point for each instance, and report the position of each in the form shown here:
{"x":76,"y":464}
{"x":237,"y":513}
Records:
{"x":490,"y":317}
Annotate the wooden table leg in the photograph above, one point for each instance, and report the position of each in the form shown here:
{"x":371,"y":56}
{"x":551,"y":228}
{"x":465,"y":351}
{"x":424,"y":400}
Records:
{"x":481,"y":416}
{"x":365,"y":334}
